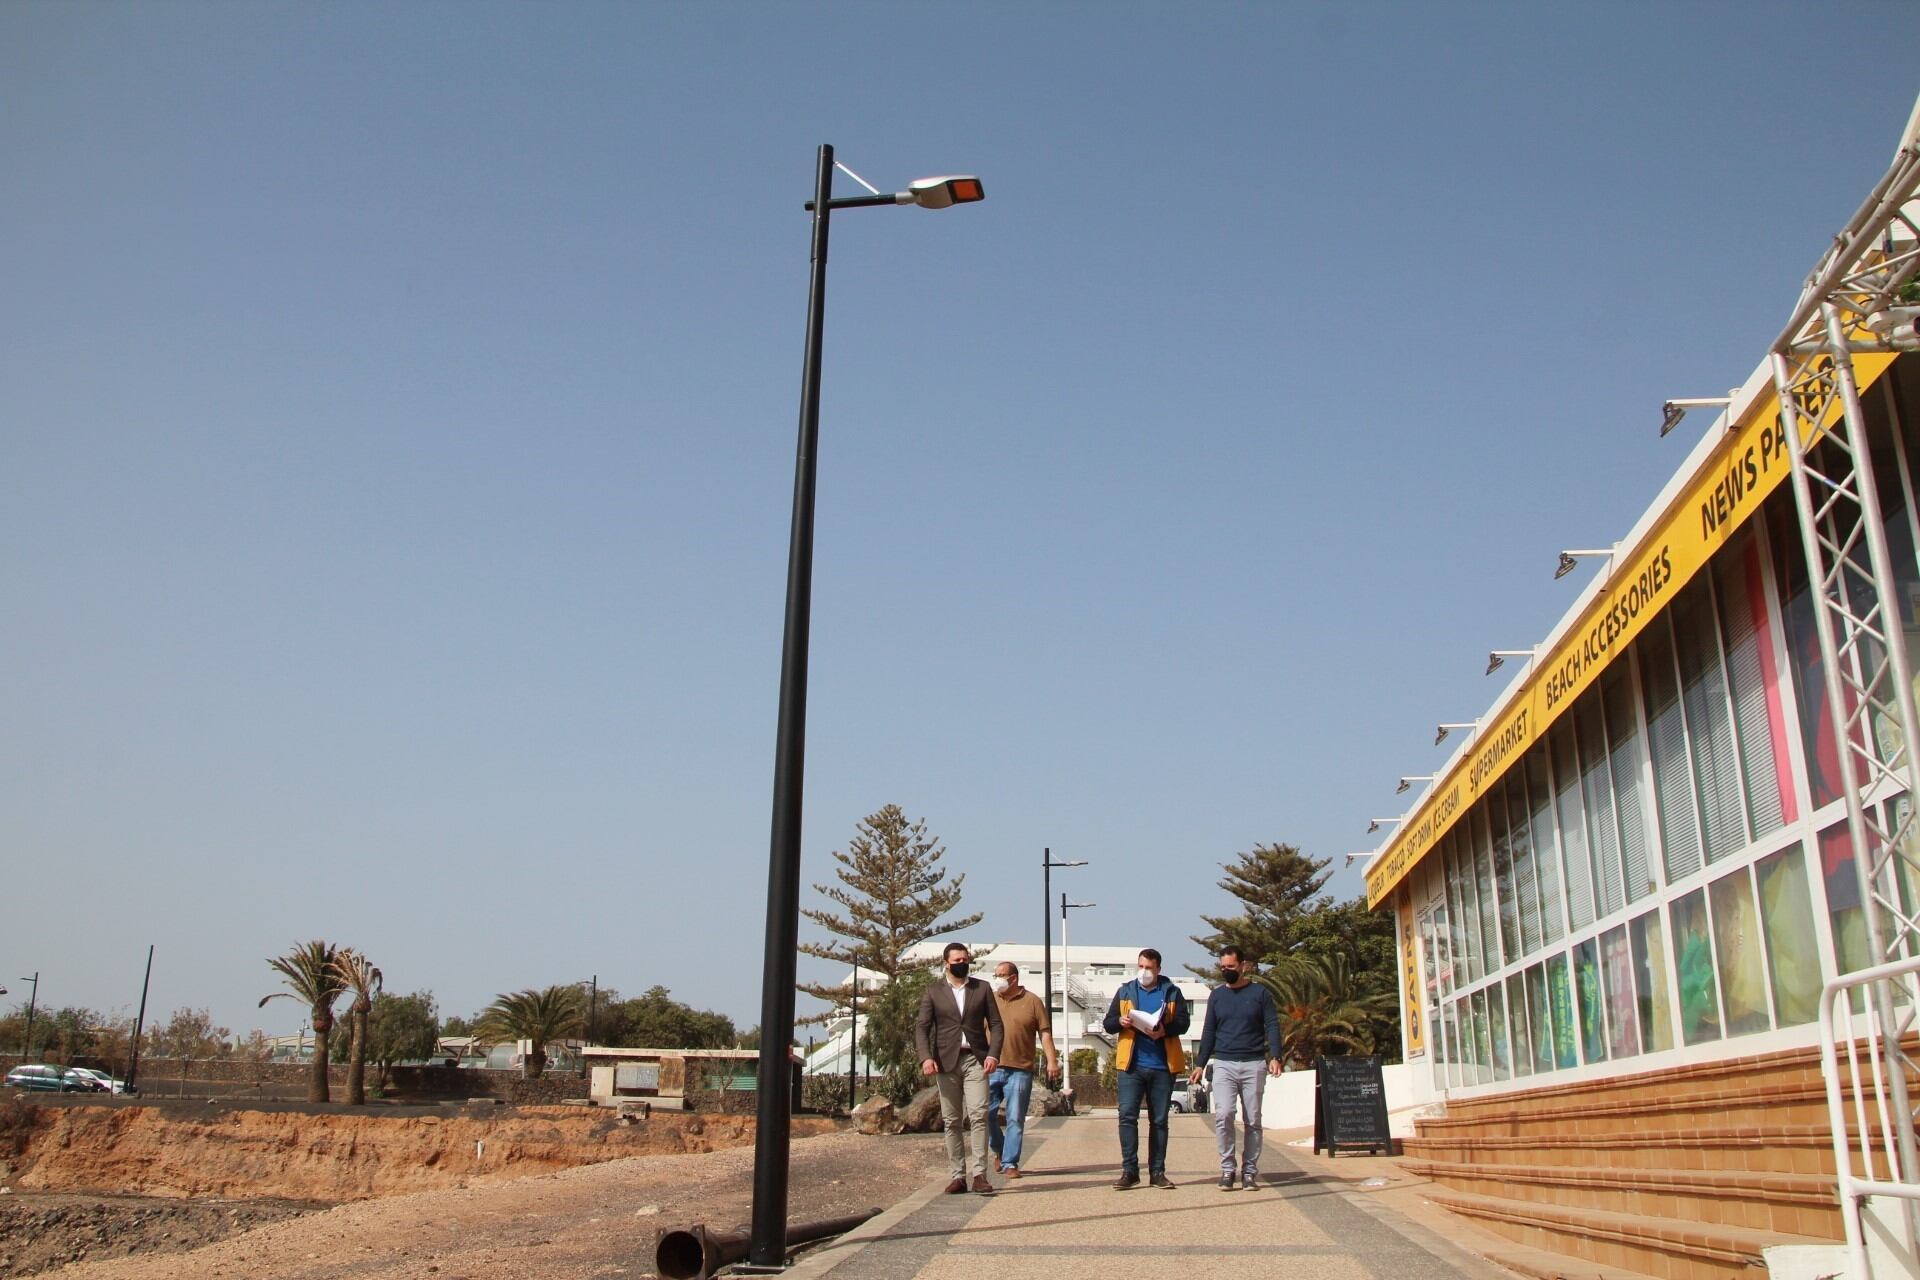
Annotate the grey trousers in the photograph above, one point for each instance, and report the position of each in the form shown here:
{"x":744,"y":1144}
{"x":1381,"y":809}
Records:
{"x":1238,"y":1084}
{"x":963,"y":1113}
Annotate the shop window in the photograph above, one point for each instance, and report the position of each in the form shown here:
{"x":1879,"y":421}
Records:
{"x":1818,"y":745}
{"x":1596,"y":788}
{"x":1492,"y":816}
{"x":1737,"y":943}
{"x":1540,"y":1018}
{"x":1586,"y":985}
{"x":1546,"y":847}
{"x":1526,"y":889}
{"x":1623,"y":753}
{"x":1757,"y":720}
{"x":1667,"y":741}
{"x":1497,"y":1030}
{"x":1456,"y":1060}
{"x":1616,"y":972}
{"x":1482,"y":859}
{"x":1650,"y":974}
{"x":1786,"y":916}
{"x":1849,"y":922}
{"x":1566,"y":1045}
{"x":1482,"y":1038}
{"x":1703,"y":693}
{"x":1693,"y":966}
{"x":1460,"y":909}
{"x":1573,"y":826}
{"x":1517,"y":1016}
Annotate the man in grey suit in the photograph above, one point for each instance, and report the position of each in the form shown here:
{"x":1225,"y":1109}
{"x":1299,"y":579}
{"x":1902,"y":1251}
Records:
{"x":958,"y":1035}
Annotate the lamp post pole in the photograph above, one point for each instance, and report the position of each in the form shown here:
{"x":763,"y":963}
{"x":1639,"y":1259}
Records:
{"x":1047,"y":864}
{"x":1066,"y":1019}
{"x":33,"y":998}
{"x":853,"y":1033}
{"x":139,"y":1025}
{"x":767,"y":1241}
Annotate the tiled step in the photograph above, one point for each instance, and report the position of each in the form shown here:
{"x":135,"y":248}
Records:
{"x":1803,"y":1149}
{"x":1798,"y":1204}
{"x":1800,"y":1103}
{"x":1542,"y":1264}
{"x":1665,"y":1247}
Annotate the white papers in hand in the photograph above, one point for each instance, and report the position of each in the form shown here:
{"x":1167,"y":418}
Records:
{"x":1144,"y":1021}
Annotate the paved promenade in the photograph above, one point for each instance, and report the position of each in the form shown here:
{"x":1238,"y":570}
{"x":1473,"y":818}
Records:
{"x":1065,"y":1220}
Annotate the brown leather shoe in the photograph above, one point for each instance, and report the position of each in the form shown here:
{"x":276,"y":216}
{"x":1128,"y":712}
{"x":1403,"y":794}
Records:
{"x":1015,"y":1173}
{"x":955,"y":1187}
{"x":1126,"y":1182}
{"x":981,"y":1185}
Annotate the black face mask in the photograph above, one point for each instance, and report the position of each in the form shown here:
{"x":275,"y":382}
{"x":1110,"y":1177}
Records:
{"x":958,"y":970}
{"x":1229,"y":976}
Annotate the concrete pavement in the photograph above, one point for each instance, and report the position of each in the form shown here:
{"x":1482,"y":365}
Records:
{"x":1064,"y":1219}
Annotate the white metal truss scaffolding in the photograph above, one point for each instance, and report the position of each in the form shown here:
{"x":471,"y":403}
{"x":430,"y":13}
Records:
{"x":1860,"y":300}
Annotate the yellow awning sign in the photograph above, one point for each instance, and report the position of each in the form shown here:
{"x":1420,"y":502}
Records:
{"x":1751,"y":462}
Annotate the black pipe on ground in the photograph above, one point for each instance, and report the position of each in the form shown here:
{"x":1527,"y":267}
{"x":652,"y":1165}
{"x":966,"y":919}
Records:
{"x":697,"y":1253}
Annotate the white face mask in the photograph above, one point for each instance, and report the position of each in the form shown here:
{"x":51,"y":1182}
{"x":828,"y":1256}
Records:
{"x":1147,"y":977}
{"x":999,"y":985}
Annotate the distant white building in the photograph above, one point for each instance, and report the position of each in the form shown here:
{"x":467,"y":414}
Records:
{"x":1081,"y":993}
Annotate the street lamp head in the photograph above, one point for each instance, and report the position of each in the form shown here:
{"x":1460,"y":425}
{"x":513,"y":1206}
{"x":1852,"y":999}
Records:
{"x":1566,"y":566}
{"x":939,"y":193}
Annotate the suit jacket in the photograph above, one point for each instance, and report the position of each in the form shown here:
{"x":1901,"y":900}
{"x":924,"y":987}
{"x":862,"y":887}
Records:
{"x":940,"y":1031}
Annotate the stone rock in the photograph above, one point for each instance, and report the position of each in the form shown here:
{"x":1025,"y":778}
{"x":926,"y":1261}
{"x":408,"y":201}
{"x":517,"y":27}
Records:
{"x":874,"y":1116}
{"x":1048,"y":1102}
{"x":922,"y":1115}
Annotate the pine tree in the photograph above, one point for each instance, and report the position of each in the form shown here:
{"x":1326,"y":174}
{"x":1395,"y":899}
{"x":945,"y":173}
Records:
{"x":893,"y":895}
{"x":1276,"y":884}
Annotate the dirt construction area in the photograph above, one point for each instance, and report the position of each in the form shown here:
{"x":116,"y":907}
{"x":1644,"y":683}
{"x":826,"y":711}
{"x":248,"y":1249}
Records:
{"x":139,"y":1191}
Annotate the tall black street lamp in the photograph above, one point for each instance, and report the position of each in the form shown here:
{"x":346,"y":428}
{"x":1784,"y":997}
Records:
{"x":767,"y":1247}
{"x":32,"y":999}
{"x":853,"y":1033}
{"x":1047,"y":864}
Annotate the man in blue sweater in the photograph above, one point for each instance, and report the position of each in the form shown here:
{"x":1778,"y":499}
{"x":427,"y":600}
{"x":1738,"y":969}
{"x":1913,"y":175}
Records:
{"x":1242,"y":1040}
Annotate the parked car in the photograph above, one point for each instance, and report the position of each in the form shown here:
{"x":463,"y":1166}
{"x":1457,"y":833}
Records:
{"x":40,"y":1078}
{"x":104,"y":1082}
{"x":1188,"y":1097}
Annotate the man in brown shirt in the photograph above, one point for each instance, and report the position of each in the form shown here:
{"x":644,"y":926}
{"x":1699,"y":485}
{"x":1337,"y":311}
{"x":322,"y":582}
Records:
{"x":1025,"y":1018}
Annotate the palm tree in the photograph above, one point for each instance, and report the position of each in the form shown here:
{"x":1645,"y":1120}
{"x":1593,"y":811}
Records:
{"x":535,"y":1016}
{"x":1323,"y":1010}
{"x":312,"y":978}
{"x":361,"y":978}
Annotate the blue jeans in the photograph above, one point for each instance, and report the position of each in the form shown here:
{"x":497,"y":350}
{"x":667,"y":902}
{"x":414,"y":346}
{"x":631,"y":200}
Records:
{"x":1014,"y":1086}
{"x":1155,"y":1086}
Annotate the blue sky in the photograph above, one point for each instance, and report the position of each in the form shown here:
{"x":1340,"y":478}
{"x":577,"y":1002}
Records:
{"x":399,"y":407}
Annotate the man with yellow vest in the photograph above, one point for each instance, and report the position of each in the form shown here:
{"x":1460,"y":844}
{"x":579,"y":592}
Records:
{"x":1149,"y":1015}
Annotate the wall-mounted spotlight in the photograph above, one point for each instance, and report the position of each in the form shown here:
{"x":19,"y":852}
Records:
{"x":1409,"y":780}
{"x":1674,"y":410}
{"x":1570,"y":560}
{"x":1373,"y":824}
{"x":1355,"y":857}
{"x":1446,"y":729}
{"x":1498,"y":658}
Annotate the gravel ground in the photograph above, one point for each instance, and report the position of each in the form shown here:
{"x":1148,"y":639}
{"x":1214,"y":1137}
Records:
{"x":596,"y":1221}
{"x":40,"y":1232}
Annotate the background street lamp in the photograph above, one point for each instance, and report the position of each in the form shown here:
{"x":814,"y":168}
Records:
{"x":1440,"y":735}
{"x":1570,"y":560}
{"x":1409,"y":780}
{"x":1047,"y":864}
{"x":33,"y":998}
{"x":1066,"y":1019}
{"x":767,"y":1248}
{"x":1498,"y":658}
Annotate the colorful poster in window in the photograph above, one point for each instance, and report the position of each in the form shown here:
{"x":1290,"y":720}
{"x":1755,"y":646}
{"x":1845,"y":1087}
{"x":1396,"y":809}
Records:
{"x":1413,"y":1021}
{"x":1616,"y":965}
{"x":1693,"y":966}
{"x":1650,"y":967}
{"x":1566,"y":1051}
{"x":1736,"y":939}
{"x":1786,"y":915}
{"x":1586,"y":983}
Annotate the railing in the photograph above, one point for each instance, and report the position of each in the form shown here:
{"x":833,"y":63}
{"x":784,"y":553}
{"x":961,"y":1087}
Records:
{"x":1867,"y":1154}
{"x":1089,"y":1001}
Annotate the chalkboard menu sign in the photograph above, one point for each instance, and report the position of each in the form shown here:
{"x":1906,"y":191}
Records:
{"x":1350,"y":1106}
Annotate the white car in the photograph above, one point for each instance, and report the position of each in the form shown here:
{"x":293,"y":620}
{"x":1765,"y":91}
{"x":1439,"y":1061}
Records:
{"x":106,"y":1082}
{"x":1188,"y":1097}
